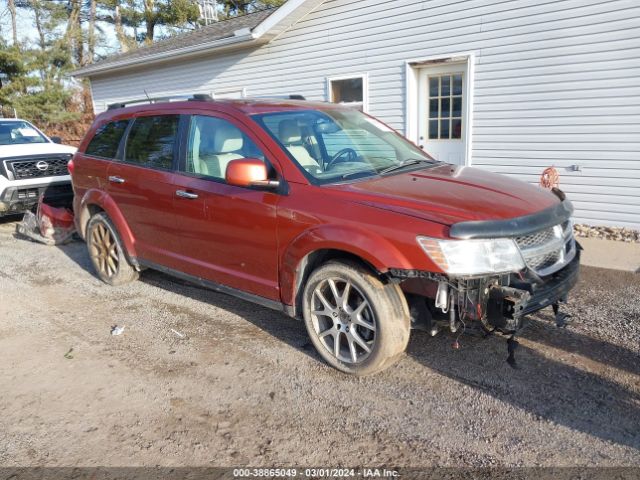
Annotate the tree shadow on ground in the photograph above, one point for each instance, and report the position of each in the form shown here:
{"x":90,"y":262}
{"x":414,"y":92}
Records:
{"x":555,"y":389}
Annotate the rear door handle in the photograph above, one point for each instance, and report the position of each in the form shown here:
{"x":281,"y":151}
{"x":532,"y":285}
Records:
{"x":189,"y":195}
{"x":114,"y":179}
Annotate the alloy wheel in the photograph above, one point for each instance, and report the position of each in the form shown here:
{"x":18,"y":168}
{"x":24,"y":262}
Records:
{"x":104,"y":250}
{"x":343,"y":320}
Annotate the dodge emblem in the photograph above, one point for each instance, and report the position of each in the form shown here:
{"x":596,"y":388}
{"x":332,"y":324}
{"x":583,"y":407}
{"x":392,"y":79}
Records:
{"x":42,"y":166}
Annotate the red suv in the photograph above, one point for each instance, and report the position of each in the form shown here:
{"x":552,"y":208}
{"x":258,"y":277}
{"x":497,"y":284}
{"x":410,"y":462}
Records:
{"x":324,"y":213}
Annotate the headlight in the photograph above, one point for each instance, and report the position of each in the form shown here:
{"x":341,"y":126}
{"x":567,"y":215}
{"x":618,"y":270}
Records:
{"x":473,"y":257}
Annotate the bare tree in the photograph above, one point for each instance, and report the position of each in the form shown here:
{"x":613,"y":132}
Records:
{"x":37,"y":13}
{"x":91,"y":35}
{"x":12,"y":11}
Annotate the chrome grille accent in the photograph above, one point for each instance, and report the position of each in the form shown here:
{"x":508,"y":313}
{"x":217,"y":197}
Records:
{"x":547,"y":251}
{"x":541,"y":237}
{"x":36,"y":167}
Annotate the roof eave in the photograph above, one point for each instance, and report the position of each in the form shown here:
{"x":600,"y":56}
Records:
{"x":272,"y":26}
{"x":191,"y":50}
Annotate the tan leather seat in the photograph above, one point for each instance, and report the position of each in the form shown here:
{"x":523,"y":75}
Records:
{"x":290,"y":135}
{"x":227,"y":145}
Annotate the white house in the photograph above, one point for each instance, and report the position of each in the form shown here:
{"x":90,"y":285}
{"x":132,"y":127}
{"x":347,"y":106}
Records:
{"x":512,"y":86}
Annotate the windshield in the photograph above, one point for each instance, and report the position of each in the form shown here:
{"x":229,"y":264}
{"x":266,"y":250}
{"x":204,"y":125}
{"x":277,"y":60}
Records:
{"x":338,"y":145}
{"x":16,"y":133}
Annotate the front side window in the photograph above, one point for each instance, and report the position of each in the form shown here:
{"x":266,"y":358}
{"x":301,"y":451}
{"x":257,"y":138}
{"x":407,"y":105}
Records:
{"x":213,"y":143}
{"x":16,"y":133}
{"x":106,"y":140}
{"x":152,"y":140}
{"x":334,"y":145}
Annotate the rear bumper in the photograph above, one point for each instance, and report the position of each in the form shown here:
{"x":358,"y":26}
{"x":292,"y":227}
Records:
{"x":20,"y":198}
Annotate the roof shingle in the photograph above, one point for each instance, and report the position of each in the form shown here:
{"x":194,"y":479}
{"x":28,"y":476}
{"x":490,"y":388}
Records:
{"x":216,"y":31}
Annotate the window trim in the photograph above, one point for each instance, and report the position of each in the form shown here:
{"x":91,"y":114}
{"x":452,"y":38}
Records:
{"x":365,"y":90}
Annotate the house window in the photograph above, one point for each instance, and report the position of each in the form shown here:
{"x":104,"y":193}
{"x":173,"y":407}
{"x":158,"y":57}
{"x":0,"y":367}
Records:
{"x":350,"y":91}
{"x":445,"y":107}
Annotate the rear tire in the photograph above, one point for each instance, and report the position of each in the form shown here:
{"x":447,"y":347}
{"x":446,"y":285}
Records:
{"x":107,"y":255}
{"x":358,"y":324}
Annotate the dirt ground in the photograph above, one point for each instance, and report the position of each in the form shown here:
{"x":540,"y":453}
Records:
{"x":244,"y":387}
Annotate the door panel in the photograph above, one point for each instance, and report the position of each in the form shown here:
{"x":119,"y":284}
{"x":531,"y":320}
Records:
{"x":142,"y":184}
{"x":228,"y":234}
{"x":145,"y":198}
{"x":442,"y":104}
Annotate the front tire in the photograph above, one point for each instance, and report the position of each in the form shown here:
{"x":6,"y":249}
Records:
{"x":358,"y":324}
{"x":107,"y":255}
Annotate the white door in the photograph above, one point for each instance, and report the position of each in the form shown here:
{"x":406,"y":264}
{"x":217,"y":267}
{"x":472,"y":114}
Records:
{"x":441,"y":110}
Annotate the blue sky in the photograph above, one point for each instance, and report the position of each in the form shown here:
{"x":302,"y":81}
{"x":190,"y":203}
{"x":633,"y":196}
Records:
{"x":28,"y":34}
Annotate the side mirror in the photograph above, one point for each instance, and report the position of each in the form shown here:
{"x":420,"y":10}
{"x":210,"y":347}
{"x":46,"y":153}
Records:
{"x":56,"y":139}
{"x":249,"y":172}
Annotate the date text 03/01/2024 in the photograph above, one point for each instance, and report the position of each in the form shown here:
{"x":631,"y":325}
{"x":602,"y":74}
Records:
{"x":314,"y":473}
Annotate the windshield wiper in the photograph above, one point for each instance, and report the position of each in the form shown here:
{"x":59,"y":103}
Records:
{"x":406,"y":163}
{"x":351,"y":174}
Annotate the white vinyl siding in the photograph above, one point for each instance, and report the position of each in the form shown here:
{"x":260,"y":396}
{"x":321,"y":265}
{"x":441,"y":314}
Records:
{"x":555,"y":82}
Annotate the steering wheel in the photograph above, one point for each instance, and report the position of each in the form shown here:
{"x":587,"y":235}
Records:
{"x":349,"y":154}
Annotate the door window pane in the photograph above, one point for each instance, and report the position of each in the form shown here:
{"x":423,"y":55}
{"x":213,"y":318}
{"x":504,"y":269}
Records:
{"x":213,"y":143}
{"x":152,"y":140}
{"x":445,"y":86}
{"x":444,"y":128}
{"x":434,"y":88}
{"x":445,"y":107}
{"x":433,"y":108}
{"x":433,"y":129}
{"x":106,"y":140}
{"x":456,"y":110}
{"x":456,"y":128}
{"x":457,"y":85}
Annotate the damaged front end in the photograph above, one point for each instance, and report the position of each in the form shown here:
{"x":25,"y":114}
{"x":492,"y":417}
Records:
{"x":497,"y":302}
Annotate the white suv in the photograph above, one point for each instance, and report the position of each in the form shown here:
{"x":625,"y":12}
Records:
{"x":31,"y":164}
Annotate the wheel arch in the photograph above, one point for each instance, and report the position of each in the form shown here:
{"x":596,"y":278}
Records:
{"x":95,"y":201}
{"x":320,"y":245}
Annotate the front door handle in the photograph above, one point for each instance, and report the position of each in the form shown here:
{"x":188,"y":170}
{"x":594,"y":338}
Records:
{"x":114,"y":179}
{"x":189,"y":195}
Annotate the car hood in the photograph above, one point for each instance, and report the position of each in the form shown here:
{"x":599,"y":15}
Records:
{"x":449,"y":194}
{"x":29,"y":149}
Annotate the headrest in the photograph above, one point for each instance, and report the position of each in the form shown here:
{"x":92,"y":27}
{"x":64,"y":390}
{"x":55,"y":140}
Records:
{"x":227,"y":139}
{"x":289,"y":132}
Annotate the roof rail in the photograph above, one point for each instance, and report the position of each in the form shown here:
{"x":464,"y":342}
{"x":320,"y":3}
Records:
{"x":294,"y":96}
{"x":196,"y":97}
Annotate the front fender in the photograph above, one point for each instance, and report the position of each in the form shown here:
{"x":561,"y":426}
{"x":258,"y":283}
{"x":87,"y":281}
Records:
{"x":104,"y":201}
{"x":369,"y":246}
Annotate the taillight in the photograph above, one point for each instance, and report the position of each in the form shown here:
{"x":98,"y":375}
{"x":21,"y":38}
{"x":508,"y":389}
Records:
{"x":70,"y":166}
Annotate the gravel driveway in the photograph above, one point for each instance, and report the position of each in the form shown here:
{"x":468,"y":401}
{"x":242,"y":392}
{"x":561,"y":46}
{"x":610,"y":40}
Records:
{"x":244,"y":387}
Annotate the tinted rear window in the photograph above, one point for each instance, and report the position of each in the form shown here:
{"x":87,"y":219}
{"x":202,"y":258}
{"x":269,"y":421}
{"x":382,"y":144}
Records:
{"x":106,"y":140}
{"x":152,"y":140}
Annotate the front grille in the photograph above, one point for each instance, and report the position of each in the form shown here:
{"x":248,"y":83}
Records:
{"x":544,"y":261}
{"x":547,"y":251}
{"x":538,"y":238}
{"x":36,"y":167}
